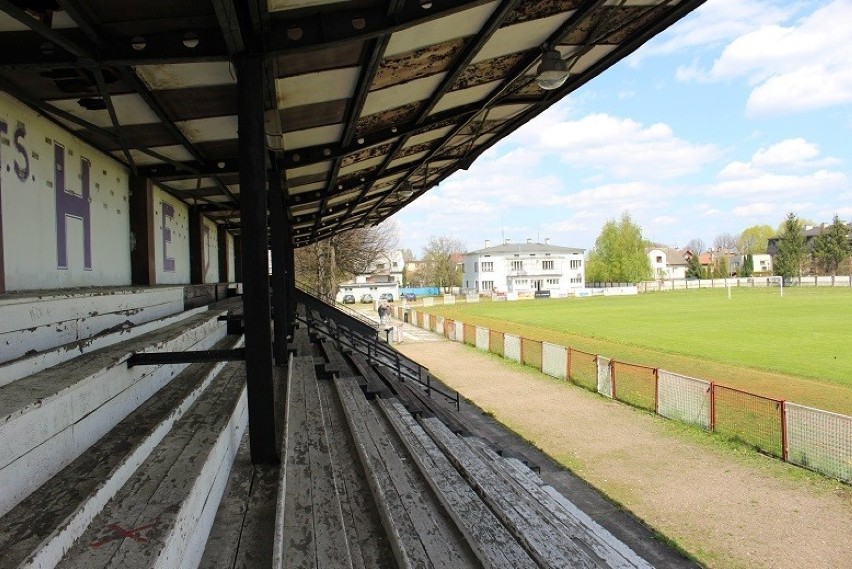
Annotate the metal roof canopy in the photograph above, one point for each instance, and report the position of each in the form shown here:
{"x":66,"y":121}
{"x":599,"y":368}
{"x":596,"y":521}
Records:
{"x":368,"y":104}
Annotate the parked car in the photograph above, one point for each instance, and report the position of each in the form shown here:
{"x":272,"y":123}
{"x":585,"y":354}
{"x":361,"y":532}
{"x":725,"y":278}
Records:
{"x":386,"y":296}
{"x":348,"y":299}
{"x":367,"y":298}
{"x":409,"y":296}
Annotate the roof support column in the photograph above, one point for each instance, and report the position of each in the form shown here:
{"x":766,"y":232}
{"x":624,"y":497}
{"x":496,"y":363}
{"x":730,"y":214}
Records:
{"x":196,"y":246}
{"x":256,"y":311}
{"x":143,"y":270}
{"x":222,"y":246}
{"x":280,"y":242}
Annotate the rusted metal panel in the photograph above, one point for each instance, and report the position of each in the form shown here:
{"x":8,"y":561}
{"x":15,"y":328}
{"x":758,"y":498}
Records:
{"x":487,"y":71}
{"x":536,"y":9}
{"x":366,"y":154}
{"x":199,"y":102}
{"x":384,"y":119}
{"x":415,"y":64}
{"x":333,"y":57}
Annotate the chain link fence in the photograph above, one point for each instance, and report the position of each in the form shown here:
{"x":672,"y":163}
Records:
{"x":554,"y":360}
{"x":683,"y":398}
{"x":819,"y":440}
{"x":752,"y":419}
{"x":812,"y":438}
{"x":635,"y":385}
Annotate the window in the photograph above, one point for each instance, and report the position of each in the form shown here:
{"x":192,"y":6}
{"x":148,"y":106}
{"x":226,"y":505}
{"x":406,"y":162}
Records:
{"x":553,"y":281}
{"x":659,"y":258}
{"x":466,"y":284}
{"x":576,"y":279}
{"x":476,"y":267}
{"x":517,"y":265}
{"x":487,"y":266}
{"x":395,"y":265}
{"x":487,"y":285}
{"x":575,"y":264}
{"x":547,"y":265}
{"x":380,"y":266}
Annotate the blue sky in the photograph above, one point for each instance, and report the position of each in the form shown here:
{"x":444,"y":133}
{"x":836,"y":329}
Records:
{"x":736,"y":115}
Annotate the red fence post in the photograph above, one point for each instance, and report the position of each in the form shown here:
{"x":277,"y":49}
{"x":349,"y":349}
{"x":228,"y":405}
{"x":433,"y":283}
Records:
{"x":712,"y":406}
{"x":568,"y":364}
{"x":656,"y":390}
{"x":612,"y":378}
{"x":784,"y":430}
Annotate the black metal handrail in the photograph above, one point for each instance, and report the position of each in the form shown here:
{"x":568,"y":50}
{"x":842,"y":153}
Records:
{"x":406,"y":368}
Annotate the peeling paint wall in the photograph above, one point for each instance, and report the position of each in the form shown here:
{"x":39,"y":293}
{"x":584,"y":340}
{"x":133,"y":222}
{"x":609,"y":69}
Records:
{"x":210,"y":251}
{"x":171,"y":239}
{"x":65,"y":206}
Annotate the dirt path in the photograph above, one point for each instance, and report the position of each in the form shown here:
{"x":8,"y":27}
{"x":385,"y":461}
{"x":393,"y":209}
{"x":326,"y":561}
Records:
{"x":728,"y":507}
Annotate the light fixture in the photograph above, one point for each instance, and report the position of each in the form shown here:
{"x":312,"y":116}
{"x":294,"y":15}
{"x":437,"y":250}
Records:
{"x":190,"y":40}
{"x":552,"y":71}
{"x":405,"y":191}
{"x":138,"y":43}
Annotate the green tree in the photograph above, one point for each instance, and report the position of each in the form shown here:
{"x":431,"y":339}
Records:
{"x":747,"y":269}
{"x":619,"y":254}
{"x":791,"y":248}
{"x":693,"y":267}
{"x":753,"y":240}
{"x":832,"y":246}
{"x":440,"y":262}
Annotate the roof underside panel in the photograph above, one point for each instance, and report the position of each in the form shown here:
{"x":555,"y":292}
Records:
{"x":369,"y":103}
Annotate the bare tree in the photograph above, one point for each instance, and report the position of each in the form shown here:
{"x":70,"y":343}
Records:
{"x":322,"y":266}
{"x":440,"y":262}
{"x":725,"y":242}
{"x":695,"y":245}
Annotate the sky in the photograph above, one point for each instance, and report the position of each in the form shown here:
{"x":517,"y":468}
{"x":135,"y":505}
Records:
{"x":735,"y":116}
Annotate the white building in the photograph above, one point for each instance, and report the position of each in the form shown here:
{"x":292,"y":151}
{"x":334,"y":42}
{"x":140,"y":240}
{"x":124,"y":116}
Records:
{"x":524,"y":268}
{"x":667,"y":263}
{"x":383,"y":276}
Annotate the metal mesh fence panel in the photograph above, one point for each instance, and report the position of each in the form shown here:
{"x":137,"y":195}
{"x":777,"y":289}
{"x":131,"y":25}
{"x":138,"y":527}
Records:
{"x":531,"y":352}
{"x":684,"y":399}
{"x":584,"y":369}
{"x":604,"y":376}
{"x":469,"y":334}
{"x":512,"y":347}
{"x":554,"y":360}
{"x":634,"y":384}
{"x":420,"y":316}
{"x":427,"y":321}
{"x":482,"y":338}
{"x":495,"y":342}
{"x":459,"y":331}
{"x":449,"y":329}
{"x":750,"y":418}
{"x":820,"y":440}
{"x":439,"y":324}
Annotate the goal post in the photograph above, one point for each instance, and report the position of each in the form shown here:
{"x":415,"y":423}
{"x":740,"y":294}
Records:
{"x":777,"y":281}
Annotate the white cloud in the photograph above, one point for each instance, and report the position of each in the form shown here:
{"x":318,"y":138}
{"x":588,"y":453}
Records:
{"x":791,"y":67}
{"x":623,"y":147}
{"x":713,"y":24}
{"x":790,"y":168}
{"x":755,"y":209}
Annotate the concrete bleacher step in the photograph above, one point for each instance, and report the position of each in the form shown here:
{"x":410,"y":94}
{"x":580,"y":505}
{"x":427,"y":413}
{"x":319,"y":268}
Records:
{"x":324,"y":518}
{"x":44,"y":525}
{"x":48,"y":419}
{"x":161,"y":517}
{"x":575,"y":524}
{"x":540,"y":534}
{"x":420,"y":532}
{"x":243,"y":530}
{"x":490,"y":540}
{"x":35,"y":362}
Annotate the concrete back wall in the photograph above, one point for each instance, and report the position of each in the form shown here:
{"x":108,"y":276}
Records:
{"x":65,"y":219}
{"x":210,"y":251}
{"x":171,"y":239}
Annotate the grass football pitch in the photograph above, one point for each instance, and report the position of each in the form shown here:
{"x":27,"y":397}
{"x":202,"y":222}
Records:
{"x":796,"y":347}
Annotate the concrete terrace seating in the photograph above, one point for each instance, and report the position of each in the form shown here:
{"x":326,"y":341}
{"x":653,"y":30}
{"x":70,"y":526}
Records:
{"x":89,"y":447}
{"x":105,"y":465}
{"x":371,"y":472}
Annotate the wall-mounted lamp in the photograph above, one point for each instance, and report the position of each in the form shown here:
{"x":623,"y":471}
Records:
{"x":406,"y":190}
{"x":552,"y":71}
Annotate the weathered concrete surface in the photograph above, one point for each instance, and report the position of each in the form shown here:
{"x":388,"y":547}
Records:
{"x":48,"y":419}
{"x":45,"y":524}
{"x":162,"y":516}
